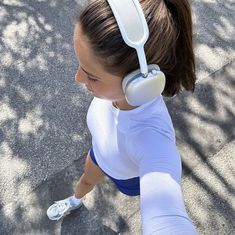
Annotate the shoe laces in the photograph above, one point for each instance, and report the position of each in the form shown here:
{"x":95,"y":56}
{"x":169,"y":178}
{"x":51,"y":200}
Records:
{"x":61,"y":206}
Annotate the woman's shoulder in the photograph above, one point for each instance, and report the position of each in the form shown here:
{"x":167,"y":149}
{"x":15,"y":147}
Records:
{"x":152,"y":141}
{"x":153,"y":122}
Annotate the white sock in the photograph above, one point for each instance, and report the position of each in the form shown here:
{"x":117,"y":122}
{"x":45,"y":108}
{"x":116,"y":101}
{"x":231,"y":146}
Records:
{"x":75,"y":201}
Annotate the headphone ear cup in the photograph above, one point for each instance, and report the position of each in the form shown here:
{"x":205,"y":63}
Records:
{"x":139,"y":90}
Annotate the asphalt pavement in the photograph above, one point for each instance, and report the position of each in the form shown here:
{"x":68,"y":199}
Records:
{"x":44,"y":138}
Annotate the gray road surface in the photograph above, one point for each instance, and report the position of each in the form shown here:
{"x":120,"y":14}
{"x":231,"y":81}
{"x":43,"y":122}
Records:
{"x":44,"y":138}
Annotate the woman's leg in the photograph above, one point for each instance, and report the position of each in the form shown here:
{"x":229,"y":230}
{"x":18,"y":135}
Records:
{"x":92,"y":175}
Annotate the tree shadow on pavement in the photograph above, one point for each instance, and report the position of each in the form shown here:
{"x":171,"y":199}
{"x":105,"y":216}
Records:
{"x":98,"y":215}
{"x":204,"y":121}
{"x":43,"y":133}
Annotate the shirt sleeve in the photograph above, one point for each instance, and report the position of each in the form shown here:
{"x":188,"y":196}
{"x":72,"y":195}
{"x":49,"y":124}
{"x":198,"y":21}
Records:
{"x":161,"y":200}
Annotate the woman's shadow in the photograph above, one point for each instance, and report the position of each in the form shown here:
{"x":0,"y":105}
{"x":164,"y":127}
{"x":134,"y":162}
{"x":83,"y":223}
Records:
{"x":83,"y":222}
{"x":97,"y":216}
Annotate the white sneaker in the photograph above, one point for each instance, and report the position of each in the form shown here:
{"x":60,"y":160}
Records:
{"x":61,"y":208}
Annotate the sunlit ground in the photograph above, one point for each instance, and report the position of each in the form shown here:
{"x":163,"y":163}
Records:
{"x":43,"y":112}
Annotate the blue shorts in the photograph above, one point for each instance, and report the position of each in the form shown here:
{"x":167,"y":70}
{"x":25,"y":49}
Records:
{"x":130,"y":187}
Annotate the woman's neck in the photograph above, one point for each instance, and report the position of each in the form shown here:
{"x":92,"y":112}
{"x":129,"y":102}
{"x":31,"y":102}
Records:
{"x":123,"y":105}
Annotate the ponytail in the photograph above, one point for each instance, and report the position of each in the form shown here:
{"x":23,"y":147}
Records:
{"x":183,"y":73}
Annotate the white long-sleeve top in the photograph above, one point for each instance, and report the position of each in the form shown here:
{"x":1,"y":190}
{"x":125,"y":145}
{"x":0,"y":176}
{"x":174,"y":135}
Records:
{"x":141,"y":142}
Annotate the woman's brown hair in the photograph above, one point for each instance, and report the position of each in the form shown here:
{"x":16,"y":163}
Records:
{"x":169,"y":44}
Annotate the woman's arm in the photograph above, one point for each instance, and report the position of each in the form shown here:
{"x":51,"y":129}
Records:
{"x":162,"y":206}
{"x":161,"y":199}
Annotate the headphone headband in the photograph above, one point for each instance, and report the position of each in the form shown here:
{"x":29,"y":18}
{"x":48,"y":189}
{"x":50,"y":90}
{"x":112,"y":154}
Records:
{"x":133,"y":26}
{"x":144,"y":84}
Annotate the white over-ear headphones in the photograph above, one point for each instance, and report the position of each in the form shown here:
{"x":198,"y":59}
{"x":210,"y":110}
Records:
{"x":144,"y":84}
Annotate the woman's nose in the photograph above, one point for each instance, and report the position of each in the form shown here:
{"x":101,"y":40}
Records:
{"x":80,"y":77}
